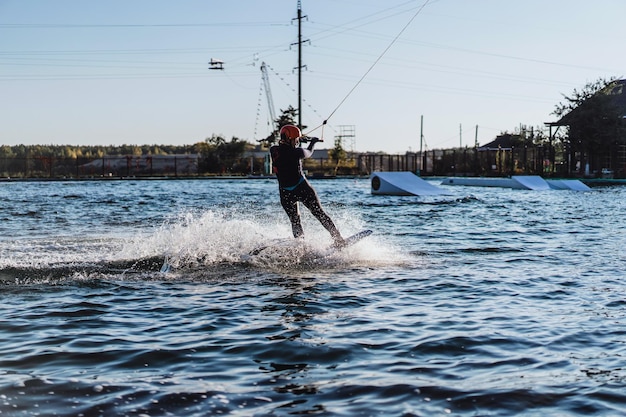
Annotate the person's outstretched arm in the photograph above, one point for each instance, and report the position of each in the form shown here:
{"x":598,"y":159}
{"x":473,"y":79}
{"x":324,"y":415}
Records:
{"x":309,"y":150}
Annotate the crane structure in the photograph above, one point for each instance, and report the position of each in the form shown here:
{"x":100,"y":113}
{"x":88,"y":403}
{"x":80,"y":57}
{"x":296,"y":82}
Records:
{"x":267,"y":163}
{"x":268,"y":92}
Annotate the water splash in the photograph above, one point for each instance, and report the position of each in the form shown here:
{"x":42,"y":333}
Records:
{"x":195,"y":242}
{"x":209,"y":238}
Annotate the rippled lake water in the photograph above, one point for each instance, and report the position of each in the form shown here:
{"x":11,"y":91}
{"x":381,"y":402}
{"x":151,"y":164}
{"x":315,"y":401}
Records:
{"x":484,"y":302}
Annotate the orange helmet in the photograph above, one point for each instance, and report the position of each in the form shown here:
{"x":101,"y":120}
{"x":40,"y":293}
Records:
{"x":290,"y":133}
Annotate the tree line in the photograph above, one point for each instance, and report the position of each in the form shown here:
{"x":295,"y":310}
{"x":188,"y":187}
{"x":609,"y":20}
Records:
{"x":91,"y":151}
{"x":215,"y":155}
{"x":593,"y":135}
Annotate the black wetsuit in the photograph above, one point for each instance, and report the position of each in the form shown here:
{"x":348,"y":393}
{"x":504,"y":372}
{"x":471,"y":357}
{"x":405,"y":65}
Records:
{"x":294,"y":187}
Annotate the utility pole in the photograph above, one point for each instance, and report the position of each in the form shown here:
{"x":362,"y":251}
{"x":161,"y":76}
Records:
{"x":476,"y":138}
{"x":300,"y":66}
{"x":421,"y":143}
{"x":460,"y":135}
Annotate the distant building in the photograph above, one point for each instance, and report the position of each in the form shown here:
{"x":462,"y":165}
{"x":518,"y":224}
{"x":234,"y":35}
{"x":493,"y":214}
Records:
{"x":590,"y":161}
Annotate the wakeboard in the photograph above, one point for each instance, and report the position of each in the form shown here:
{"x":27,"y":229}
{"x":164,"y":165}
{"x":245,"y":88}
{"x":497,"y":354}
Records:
{"x":349,"y":241}
{"x":275,"y":246}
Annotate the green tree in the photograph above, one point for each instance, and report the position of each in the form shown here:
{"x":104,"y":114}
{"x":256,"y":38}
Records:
{"x":338,"y":153}
{"x":210,"y":161}
{"x":6,"y":151}
{"x":219,"y":156}
{"x":287,"y":117}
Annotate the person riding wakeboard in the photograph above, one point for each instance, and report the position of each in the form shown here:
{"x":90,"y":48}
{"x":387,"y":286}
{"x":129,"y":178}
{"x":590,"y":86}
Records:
{"x":293,"y":185}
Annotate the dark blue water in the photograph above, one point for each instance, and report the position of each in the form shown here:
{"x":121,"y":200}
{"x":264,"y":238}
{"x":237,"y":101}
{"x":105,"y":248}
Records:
{"x":487,"y":302}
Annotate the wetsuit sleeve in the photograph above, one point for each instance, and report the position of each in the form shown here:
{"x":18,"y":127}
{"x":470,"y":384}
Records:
{"x":274,"y":156}
{"x":308,"y":152}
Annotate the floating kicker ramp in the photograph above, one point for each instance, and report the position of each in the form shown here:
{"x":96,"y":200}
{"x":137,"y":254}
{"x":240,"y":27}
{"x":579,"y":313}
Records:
{"x":520,"y":182}
{"x":574,"y":185}
{"x":402,"y":183}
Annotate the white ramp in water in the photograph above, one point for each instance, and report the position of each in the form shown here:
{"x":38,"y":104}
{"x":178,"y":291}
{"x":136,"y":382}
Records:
{"x":574,"y":185}
{"x":483,"y":182}
{"x":402,"y":183}
{"x":520,"y":182}
{"x":532,"y":182}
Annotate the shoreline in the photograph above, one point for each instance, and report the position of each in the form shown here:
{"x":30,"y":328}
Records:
{"x":592,"y":182}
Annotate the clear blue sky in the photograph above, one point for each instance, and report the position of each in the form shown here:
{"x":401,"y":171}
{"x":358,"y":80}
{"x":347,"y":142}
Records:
{"x":136,"y":72}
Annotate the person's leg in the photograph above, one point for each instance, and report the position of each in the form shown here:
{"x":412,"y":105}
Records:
{"x":290,"y":204}
{"x":310,"y":199}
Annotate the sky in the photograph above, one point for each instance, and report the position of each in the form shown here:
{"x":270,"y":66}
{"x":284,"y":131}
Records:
{"x":383,"y":74}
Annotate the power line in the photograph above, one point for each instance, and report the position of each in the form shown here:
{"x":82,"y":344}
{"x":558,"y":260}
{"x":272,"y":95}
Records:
{"x":378,"y":59}
{"x":133,"y":25}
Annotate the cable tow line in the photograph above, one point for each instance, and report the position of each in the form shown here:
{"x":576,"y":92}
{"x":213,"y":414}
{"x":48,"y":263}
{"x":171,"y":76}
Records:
{"x":376,"y":61}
